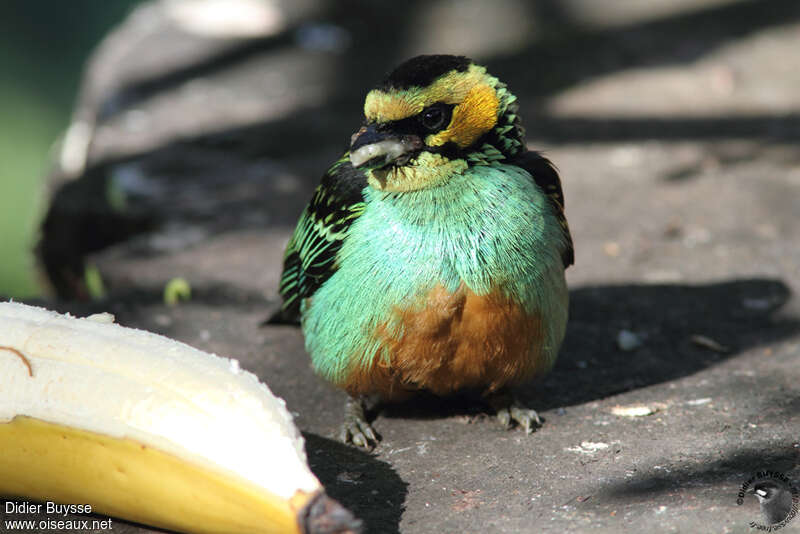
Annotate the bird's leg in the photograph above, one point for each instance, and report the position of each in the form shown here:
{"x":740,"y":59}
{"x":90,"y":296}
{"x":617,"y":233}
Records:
{"x":356,"y":429}
{"x":510,"y":411}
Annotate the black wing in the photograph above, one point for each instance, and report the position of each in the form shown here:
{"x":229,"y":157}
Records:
{"x":310,"y":256}
{"x":546,"y":176}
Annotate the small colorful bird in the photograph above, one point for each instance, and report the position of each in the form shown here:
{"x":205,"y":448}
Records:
{"x":432,"y":254}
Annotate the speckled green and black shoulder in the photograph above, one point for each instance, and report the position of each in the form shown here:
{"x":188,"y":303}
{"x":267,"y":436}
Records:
{"x":310,"y":257}
{"x":546,"y":176}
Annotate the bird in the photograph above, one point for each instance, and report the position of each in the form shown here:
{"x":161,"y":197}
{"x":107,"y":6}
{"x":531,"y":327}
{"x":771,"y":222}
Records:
{"x":775,"y":501}
{"x":432,"y":255}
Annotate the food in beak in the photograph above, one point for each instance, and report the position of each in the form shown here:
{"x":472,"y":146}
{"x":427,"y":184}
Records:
{"x":390,"y":149}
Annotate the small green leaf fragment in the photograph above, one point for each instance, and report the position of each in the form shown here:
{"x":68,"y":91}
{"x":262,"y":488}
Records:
{"x":176,"y":290}
{"x":94,"y":282}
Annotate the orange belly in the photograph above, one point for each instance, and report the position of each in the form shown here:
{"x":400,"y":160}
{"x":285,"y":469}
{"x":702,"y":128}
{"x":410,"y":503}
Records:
{"x":454,"y":341}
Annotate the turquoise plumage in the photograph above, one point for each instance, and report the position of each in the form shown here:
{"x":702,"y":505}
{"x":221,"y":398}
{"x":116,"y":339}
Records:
{"x":493,"y":229}
{"x":432,"y":255}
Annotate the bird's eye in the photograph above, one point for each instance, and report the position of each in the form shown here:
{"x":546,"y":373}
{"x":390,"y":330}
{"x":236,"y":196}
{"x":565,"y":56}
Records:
{"x":433,"y":118}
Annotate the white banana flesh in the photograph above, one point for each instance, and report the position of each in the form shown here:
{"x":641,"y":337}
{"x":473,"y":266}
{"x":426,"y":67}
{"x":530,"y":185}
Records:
{"x":146,"y":428}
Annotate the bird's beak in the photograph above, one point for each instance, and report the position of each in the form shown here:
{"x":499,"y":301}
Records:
{"x":371,"y":149}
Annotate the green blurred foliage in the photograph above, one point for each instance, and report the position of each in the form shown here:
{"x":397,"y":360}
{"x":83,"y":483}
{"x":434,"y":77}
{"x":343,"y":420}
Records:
{"x":43,"y":47}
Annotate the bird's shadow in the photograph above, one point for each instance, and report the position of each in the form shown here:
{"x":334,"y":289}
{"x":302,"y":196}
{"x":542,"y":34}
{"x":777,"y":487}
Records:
{"x":665,"y":318}
{"x":365,"y":485}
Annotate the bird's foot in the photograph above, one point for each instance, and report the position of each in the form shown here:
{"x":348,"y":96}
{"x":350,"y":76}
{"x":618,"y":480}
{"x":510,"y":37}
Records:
{"x":511,"y":412}
{"x":356,"y":429}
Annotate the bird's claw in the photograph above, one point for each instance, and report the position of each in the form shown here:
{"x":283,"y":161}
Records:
{"x":359,"y":433}
{"x":510,"y":412}
{"x":356,"y":429}
{"x":527,"y":418}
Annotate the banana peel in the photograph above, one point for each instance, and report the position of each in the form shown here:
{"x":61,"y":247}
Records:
{"x":145,"y":428}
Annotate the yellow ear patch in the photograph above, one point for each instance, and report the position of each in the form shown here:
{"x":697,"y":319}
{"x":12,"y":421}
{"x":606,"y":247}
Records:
{"x":475,"y":116}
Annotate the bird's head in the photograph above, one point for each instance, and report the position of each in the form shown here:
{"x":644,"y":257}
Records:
{"x":766,"y":491}
{"x":431,"y":119}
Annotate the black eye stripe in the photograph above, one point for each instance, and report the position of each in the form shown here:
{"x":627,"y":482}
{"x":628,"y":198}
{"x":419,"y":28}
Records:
{"x":413,"y":125}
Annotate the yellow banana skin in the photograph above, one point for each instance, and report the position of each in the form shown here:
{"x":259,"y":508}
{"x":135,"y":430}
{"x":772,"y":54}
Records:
{"x":124,"y":478}
{"x":150,"y":430}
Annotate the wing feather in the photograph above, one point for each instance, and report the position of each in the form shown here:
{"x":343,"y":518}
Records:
{"x":310,"y":257}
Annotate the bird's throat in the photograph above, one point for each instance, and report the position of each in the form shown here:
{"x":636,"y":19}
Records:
{"x":425,"y":171}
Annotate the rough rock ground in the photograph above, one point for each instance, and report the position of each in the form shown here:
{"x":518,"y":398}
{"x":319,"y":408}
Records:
{"x":675,"y":128}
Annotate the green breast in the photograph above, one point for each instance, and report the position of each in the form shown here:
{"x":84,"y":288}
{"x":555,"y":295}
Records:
{"x":491,"y":228}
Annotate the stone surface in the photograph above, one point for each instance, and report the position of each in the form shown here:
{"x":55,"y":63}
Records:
{"x":675,"y":131}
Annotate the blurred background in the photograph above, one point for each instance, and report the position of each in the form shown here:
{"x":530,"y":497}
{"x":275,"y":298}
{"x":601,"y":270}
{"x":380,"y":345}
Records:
{"x":132,"y":115}
{"x":43,"y":48}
